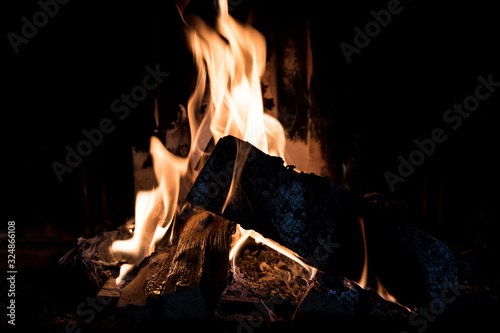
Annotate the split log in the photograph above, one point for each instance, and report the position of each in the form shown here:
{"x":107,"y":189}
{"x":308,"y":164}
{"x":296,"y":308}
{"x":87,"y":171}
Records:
{"x":194,"y":264}
{"x":403,"y":255}
{"x":329,"y":296}
{"x":320,"y":299}
{"x":303,"y":212}
{"x":342,"y":303}
{"x":316,"y":218}
{"x":202,"y":252}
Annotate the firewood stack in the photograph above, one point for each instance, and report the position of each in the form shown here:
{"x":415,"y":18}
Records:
{"x":190,"y":276}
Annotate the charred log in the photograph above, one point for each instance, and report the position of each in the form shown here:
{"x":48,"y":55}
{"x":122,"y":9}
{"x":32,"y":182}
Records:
{"x":316,"y":218}
{"x":404,"y":255}
{"x":258,"y":292}
{"x":303,"y":212}
{"x":329,"y":296}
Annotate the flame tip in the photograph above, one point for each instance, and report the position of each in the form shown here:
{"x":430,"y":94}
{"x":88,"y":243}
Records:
{"x":232,"y":58}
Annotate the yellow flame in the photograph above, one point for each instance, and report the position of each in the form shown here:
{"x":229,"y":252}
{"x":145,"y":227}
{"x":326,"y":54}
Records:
{"x":154,"y":210}
{"x":242,"y":235}
{"x":232,"y":57}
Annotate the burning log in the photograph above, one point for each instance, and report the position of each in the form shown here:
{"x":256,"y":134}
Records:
{"x":316,"y":218}
{"x":265,"y":285}
{"x":197,"y":258}
{"x":304,"y":212}
{"x":404,"y":255}
{"x":329,"y":296}
{"x":260,"y":289}
{"x":202,"y":254}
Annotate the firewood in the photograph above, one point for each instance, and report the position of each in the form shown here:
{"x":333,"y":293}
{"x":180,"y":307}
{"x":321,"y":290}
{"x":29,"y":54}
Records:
{"x":329,"y":296}
{"x":198,"y":258}
{"x":403,"y":255}
{"x":303,"y":212}
{"x":306,"y":213}
{"x":322,"y":297}
{"x":318,"y":220}
{"x":202,"y":252}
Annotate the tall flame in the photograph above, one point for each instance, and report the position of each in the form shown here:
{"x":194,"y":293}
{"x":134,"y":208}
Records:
{"x":154,"y":210}
{"x":232,"y":56}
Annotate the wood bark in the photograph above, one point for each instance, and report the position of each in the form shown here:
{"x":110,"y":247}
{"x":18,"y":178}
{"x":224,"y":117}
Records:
{"x":303,"y":212}
{"x":198,"y":257}
{"x":319,"y":220}
{"x":402,"y":255}
{"x":329,"y":296}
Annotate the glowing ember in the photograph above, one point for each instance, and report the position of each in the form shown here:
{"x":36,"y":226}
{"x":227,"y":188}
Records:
{"x":242,"y":235}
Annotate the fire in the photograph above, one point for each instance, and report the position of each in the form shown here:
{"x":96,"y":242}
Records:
{"x":154,"y":210}
{"x":363,"y":281}
{"x":232,"y":56}
{"x":384,"y":293}
{"x":242,"y":235}
{"x":234,"y":59}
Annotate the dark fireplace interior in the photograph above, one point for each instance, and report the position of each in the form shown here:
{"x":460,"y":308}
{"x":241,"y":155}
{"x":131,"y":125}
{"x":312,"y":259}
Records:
{"x":394,"y":102}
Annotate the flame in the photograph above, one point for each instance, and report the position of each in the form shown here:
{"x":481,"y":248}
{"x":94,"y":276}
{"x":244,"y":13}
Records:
{"x":384,"y":293}
{"x":364,"y":275}
{"x":242,"y":235}
{"x":154,"y":210}
{"x":363,"y":281}
{"x":232,"y":57}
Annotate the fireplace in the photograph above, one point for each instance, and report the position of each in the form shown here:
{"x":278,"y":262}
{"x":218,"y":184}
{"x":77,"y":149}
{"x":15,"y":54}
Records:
{"x":263,"y":167}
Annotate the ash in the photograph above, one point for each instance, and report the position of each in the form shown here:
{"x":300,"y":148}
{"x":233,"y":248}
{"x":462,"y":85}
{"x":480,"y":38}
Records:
{"x":262,"y":273}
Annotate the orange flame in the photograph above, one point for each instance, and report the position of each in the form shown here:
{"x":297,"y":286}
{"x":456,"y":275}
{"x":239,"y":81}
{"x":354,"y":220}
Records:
{"x":232,"y":56}
{"x":154,"y":210}
{"x":364,"y":275}
{"x":384,"y":293}
{"x":363,"y":281}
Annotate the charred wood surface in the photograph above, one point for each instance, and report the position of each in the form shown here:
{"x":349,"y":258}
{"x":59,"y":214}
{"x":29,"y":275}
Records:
{"x":329,"y":296}
{"x":402,"y":255}
{"x":303,"y":212}
{"x":318,"y":220}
